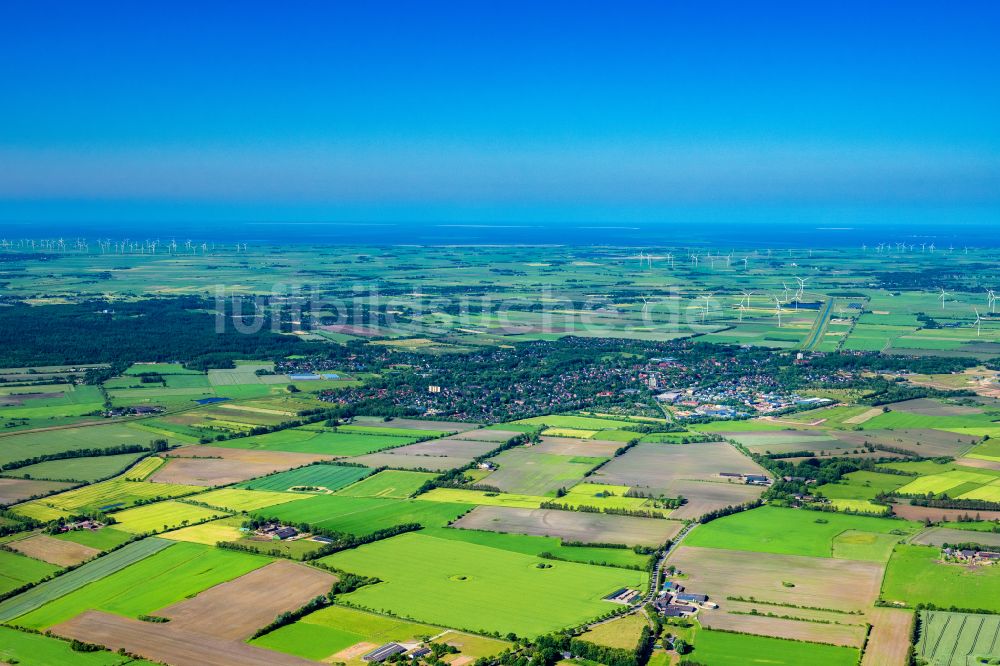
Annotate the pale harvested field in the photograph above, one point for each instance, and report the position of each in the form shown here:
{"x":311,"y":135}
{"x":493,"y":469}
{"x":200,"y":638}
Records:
{"x":976,"y":462}
{"x":910,"y":512}
{"x":930,"y":407}
{"x":415,"y":424}
{"x":571,"y":525}
{"x":55,"y":551}
{"x":705,"y":496}
{"x":15,"y":490}
{"x":889,"y":642}
{"x":447,"y":446}
{"x":402,"y":461}
{"x":659,"y":466}
{"x":568,"y":446}
{"x":864,"y":416}
{"x":353,"y":652}
{"x":498,"y":436}
{"x":167,"y":644}
{"x":824,"y":583}
{"x":217,"y":466}
{"x":937,"y":536}
{"x":924,"y":442}
{"x":236,"y":609}
{"x":834,"y":634}
{"x":689,"y":470}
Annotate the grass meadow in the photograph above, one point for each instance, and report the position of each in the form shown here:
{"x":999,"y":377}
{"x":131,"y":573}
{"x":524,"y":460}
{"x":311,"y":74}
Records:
{"x":470,"y":586}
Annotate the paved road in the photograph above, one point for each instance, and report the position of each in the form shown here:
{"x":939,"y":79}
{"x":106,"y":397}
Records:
{"x":819,"y":326}
{"x":655,"y":576}
{"x":663,"y":561}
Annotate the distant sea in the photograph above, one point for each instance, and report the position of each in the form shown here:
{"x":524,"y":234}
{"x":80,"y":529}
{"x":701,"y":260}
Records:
{"x":716,"y":235}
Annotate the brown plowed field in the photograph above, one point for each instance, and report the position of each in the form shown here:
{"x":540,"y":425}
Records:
{"x":571,"y":525}
{"x":55,"y":551}
{"x":217,"y":466}
{"x":235,"y":610}
{"x":167,"y":644}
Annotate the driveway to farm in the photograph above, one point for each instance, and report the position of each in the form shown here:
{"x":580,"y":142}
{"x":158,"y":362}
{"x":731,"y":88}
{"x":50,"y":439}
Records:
{"x":653,"y":578}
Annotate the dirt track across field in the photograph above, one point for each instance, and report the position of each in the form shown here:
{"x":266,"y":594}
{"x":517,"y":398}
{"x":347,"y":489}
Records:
{"x":235,"y":610}
{"x":167,"y":644}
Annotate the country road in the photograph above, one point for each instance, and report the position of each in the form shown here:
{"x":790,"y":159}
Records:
{"x":816,"y":334}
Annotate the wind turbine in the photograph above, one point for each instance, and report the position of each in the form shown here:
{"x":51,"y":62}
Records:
{"x":745,"y":260}
{"x":977,"y":322}
{"x":944,"y":294}
{"x":704,"y":313}
{"x":991,"y":300}
{"x":777,"y":309}
{"x":785,"y":285}
{"x":670,"y":260}
{"x":742,"y":310}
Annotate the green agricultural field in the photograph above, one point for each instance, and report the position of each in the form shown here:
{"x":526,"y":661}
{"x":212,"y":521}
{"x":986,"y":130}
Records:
{"x":21,"y":647}
{"x":30,"y":444}
{"x":863,"y":485}
{"x":364,"y":515}
{"x":107,"y":495}
{"x":162,"y":516}
{"x":722,"y":648}
{"x":916,"y":575}
{"x":17,"y":570}
{"x":102,"y":539}
{"x":484,"y":498}
{"x":71,"y":581}
{"x":945,"y":482}
{"x":240,"y":500}
{"x":297,"y":440}
{"x":330,"y":477}
{"x":536,"y":545}
{"x":330,"y":630}
{"x":525,"y":471}
{"x":390,"y":483}
{"x":176,"y":573}
{"x":395,"y":432}
{"x":789,"y":531}
{"x":144,"y":468}
{"x":470,"y":586}
{"x":573,"y":422}
{"x":957,"y":639}
{"x":86,"y":470}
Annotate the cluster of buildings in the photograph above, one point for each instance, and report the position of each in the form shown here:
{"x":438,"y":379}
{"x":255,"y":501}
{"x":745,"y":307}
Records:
{"x":276,"y":531}
{"x":673,"y":601}
{"x":749,"y":479}
{"x":625,"y":596}
{"x":733,"y":399}
{"x":969,"y":556}
{"x":409,"y":650}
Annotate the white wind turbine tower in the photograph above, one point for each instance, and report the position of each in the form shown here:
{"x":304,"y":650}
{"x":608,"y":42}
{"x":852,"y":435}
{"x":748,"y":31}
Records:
{"x":746,"y":297}
{"x":931,"y":248}
{"x":777,"y":309}
{"x":785,"y":285}
{"x":742,"y":310}
{"x":670,"y":260}
{"x":745,"y":260}
{"x":704,"y":313}
{"x":977,"y":322}
{"x":944,"y":294}
{"x":991,"y":300}
{"x":923,"y":247}
{"x":798,"y":294}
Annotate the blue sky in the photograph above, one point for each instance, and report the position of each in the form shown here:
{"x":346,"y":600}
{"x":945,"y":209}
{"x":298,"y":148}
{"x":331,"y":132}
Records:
{"x":496,"y":111}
